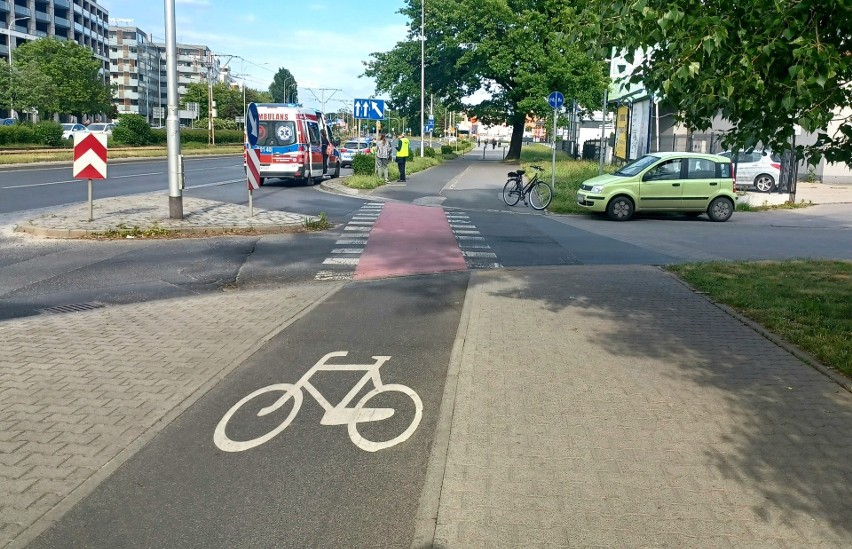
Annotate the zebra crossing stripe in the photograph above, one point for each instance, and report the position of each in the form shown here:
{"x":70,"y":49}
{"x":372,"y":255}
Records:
{"x":334,"y":275}
{"x":466,"y":232}
{"x":359,"y":229}
{"x":464,"y":237}
{"x":340,"y":261}
{"x":356,"y":223}
{"x":474,"y":246}
{"x":489,"y":255}
{"x":350,"y":241}
{"x":347,"y":250}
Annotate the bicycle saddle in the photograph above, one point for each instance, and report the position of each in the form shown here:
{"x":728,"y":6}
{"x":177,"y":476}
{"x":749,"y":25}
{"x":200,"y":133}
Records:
{"x":517,"y":173}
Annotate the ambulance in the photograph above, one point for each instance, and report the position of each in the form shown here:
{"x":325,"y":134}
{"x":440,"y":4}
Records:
{"x":291,"y":144}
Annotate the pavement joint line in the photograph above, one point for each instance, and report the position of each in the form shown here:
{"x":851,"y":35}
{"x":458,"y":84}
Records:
{"x":89,"y":485}
{"x":426,"y":518}
{"x":800,"y":354}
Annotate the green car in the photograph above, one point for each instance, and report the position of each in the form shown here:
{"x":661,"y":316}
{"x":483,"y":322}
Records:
{"x":692,"y":183}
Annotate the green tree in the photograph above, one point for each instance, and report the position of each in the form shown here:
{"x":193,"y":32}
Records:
{"x":284,"y":88}
{"x":763,"y":66}
{"x":514,"y":50}
{"x":60,"y":77}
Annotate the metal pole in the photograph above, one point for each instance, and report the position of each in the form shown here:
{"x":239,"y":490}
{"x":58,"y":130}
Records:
{"x":173,"y":120}
{"x":603,"y":131}
{"x":553,"y":161}
{"x":251,"y":202}
{"x":91,"y":216}
{"x":422,"y":69}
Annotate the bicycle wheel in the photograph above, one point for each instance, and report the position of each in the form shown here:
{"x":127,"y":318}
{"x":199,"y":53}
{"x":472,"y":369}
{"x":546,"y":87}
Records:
{"x":540,"y":195}
{"x":226,"y":444}
{"x":359,"y":412}
{"x":511,"y":194}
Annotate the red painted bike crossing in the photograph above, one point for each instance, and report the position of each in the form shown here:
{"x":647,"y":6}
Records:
{"x":409,"y":240}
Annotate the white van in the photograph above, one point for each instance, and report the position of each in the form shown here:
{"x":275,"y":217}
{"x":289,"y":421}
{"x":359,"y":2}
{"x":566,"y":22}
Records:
{"x":291,"y":144}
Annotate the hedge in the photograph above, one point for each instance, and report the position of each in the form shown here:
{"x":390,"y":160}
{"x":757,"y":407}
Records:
{"x":199,"y":136}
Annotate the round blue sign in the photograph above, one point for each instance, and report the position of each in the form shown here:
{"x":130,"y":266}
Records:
{"x":252,"y":125}
{"x":556,"y":99}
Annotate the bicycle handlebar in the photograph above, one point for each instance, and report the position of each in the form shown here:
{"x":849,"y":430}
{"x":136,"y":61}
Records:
{"x":539,"y":168}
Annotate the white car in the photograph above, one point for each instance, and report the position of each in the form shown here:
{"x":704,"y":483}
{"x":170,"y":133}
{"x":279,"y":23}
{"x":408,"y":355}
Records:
{"x":759,"y":169}
{"x":68,"y":130}
{"x":105,"y":129}
{"x":351,"y":148}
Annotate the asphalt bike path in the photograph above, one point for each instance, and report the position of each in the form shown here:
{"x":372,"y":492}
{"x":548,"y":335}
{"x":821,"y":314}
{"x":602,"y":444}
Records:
{"x":312,"y":485}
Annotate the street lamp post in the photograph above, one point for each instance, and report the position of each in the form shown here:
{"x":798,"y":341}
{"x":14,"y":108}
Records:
{"x":422,"y":69}
{"x":9,"y":41}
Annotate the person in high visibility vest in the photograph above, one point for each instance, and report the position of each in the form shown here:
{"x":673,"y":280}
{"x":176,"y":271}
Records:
{"x":403,"y":150}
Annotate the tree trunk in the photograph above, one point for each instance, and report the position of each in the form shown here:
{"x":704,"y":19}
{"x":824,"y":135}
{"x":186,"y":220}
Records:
{"x":518,"y":121}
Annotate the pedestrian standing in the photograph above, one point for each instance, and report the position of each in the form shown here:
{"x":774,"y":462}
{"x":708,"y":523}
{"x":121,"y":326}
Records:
{"x":403,"y":149}
{"x":383,"y":154}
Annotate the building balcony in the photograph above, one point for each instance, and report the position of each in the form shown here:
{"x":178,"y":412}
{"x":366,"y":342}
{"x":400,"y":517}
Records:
{"x":42,"y":17}
{"x":40,"y":34}
{"x":78,"y":9}
{"x":4,"y":6}
{"x":22,"y":11}
{"x":62,"y":22}
{"x":65,"y":4}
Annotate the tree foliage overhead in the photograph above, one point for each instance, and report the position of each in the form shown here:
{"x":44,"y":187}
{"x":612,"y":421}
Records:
{"x":512,"y":49}
{"x":284,"y":88}
{"x":764,"y":66}
{"x":59,"y":77}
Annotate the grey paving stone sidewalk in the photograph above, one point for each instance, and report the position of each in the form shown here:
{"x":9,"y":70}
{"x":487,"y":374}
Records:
{"x":81,"y":392}
{"x":149,"y":211}
{"x":614,"y":407}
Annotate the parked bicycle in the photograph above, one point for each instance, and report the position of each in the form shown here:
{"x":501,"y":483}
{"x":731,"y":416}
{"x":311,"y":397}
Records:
{"x":335,"y":414}
{"x":540,"y":193}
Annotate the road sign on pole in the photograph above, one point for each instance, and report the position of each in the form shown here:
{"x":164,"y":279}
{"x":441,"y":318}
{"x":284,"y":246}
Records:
{"x":90,"y":160}
{"x":555,"y":99}
{"x":252,"y":125}
{"x":90,"y":155}
{"x":369,"y":109}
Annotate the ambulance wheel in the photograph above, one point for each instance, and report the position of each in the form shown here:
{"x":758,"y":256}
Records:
{"x":309,"y":181}
{"x":260,"y":181}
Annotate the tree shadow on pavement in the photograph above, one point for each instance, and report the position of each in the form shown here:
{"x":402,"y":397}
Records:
{"x":765,"y":423}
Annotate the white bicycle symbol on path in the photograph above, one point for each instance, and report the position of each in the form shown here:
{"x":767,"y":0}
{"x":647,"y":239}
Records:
{"x":334,"y":415}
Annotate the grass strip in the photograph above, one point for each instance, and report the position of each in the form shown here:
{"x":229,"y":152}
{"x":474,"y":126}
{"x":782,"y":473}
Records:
{"x":569,"y":174}
{"x":807,"y":302}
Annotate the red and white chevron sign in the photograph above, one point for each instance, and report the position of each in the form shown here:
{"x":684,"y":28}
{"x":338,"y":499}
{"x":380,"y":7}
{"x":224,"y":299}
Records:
{"x":253,"y":168}
{"x":90,"y":156}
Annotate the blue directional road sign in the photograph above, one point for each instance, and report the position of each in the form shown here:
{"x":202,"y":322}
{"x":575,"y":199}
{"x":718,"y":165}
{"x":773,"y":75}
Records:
{"x":252,"y":124}
{"x":556,"y":99}
{"x":370,"y":109}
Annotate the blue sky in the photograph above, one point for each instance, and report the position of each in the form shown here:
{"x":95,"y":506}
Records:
{"x":322,"y":42}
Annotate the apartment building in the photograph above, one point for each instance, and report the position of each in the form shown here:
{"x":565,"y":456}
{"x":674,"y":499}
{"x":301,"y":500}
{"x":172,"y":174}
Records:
{"x":83,"y":21}
{"x":138,"y":69}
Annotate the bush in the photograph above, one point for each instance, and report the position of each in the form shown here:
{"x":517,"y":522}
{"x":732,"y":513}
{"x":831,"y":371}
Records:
{"x":200,"y":137}
{"x":48,"y":133}
{"x":132,"y":129}
{"x":17,"y":134}
{"x":363,"y":164}
{"x":430,"y":152}
{"x":447,"y":149}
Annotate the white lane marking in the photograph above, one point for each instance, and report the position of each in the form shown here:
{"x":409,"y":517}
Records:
{"x":466,"y":232}
{"x":347,"y":250}
{"x":463,"y":237}
{"x":344,"y":241}
{"x":489,"y":255}
{"x":340,"y":261}
{"x":334,"y":275}
{"x":216,"y":183}
{"x":76,"y":180}
{"x":339,"y":414}
{"x":373,"y":204}
{"x":484,"y":265}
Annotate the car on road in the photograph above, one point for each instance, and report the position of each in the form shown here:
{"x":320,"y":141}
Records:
{"x":692,"y":183}
{"x":760,"y":169}
{"x":68,"y":130}
{"x":352,"y":147}
{"x":105,"y":129}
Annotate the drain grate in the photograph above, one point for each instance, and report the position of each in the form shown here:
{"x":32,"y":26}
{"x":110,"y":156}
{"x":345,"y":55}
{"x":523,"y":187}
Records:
{"x":73,"y":308}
